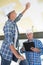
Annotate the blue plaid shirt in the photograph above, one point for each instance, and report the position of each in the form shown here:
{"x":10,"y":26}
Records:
{"x":9,"y":34}
{"x":34,"y":57}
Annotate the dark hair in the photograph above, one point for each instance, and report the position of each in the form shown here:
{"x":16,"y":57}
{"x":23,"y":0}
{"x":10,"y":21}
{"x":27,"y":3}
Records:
{"x":9,"y":14}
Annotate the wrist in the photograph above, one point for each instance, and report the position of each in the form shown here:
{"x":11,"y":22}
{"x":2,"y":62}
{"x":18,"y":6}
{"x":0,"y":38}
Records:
{"x":19,"y":57}
{"x":26,"y":9}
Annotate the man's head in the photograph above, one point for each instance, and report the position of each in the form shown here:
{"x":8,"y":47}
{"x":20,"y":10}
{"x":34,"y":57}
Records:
{"x":12,"y":15}
{"x":29,"y":34}
{"x":9,"y":11}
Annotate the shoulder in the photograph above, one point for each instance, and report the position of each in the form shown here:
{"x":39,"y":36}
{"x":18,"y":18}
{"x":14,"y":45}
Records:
{"x":37,"y":40}
{"x":8,"y":24}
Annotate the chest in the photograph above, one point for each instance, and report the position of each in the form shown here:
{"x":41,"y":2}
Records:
{"x":15,"y":30}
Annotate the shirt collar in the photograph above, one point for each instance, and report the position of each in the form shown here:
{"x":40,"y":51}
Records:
{"x":11,"y":21}
{"x":31,"y":40}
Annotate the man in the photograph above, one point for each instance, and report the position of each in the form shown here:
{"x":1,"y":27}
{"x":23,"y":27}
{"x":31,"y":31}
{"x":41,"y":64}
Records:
{"x":8,"y":49}
{"x":33,"y":56}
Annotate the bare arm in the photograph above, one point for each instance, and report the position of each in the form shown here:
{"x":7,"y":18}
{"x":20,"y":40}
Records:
{"x":35,"y":49}
{"x":27,"y":7}
{"x":21,"y":14}
{"x":16,"y":53}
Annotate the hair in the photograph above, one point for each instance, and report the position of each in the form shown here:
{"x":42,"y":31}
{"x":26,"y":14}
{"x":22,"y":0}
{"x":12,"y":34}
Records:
{"x":9,"y":14}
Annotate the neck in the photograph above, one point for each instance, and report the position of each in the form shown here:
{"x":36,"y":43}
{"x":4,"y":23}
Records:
{"x":11,"y":20}
{"x":30,"y":39}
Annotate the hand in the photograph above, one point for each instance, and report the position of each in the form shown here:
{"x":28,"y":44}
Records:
{"x":23,"y":49}
{"x":27,"y":5}
{"x":21,"y":57}
{"x":35,"y":49}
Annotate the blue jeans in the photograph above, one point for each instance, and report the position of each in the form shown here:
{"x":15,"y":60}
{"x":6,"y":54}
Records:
{"x":6,"y":62}
{"x":24,"y":62}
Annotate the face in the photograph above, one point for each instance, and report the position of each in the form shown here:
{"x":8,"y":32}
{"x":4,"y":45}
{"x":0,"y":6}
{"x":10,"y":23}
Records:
{"x":13,"y":15}
{"x":30,"y":36}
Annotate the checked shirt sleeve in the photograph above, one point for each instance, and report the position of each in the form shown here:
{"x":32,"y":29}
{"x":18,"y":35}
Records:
{"x":18,"y":17}
{"x":40,"y":46}
{"x":8,"y":34}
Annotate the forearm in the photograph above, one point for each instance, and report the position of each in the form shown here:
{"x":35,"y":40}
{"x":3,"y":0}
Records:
{"x":35,"y":49}
{"x":23,"y":11}
{"x":14,"y":51}
{"x":27,"y":7}
{"x":20,"y":15}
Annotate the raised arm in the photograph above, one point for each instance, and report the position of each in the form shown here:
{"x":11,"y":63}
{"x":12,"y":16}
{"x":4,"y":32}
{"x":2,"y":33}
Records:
{"x":21,"y":14}
{"x":27,"y":7}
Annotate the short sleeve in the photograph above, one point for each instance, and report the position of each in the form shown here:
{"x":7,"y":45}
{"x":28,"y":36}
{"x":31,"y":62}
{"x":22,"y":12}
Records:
{"x":40,"y":44}
{"x":18,"y":17}
{"x":8,"y":34}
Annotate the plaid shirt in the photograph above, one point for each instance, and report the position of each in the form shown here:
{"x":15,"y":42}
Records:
{"x":9,"y":33}
{"x":34,"y":57}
